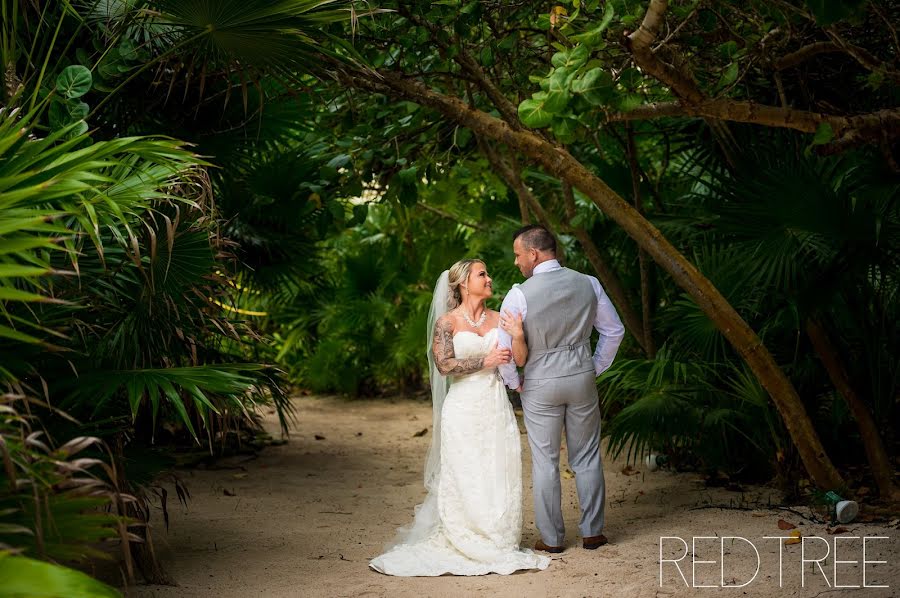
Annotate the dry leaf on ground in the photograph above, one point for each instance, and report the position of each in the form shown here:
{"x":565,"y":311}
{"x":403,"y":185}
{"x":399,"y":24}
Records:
{"x":782,"y":524}
{"x":629,"y":470}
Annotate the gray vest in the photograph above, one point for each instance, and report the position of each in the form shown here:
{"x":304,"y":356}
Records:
{"x":561,"y":311}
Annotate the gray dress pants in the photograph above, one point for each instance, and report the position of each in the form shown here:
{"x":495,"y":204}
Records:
{"x":549,"y":405}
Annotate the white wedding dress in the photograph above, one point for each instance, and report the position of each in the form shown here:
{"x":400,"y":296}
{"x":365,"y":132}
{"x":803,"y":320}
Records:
{"x":479,"y":491}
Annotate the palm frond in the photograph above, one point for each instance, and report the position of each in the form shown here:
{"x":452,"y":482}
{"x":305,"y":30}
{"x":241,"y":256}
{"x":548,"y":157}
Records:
{"x":51,"y":499}
{"x":23,"y":576}
{"x":206,"y":39}
{"x":183,"y":391}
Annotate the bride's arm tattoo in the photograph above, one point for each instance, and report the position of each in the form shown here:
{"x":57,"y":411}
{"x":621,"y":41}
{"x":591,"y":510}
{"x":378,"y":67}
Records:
{"x":444,"y":358}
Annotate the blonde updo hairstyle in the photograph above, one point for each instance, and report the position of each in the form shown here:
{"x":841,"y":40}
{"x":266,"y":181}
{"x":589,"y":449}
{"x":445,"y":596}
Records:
{"x":457,"y":279}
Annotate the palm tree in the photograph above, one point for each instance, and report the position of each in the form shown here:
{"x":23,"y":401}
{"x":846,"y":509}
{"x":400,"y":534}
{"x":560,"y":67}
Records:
{"x":117,"y":288}
{"x":798,"y":244}
{"x":110,"y":265}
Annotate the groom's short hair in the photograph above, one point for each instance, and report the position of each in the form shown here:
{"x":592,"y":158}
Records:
{"x":537,"y":237}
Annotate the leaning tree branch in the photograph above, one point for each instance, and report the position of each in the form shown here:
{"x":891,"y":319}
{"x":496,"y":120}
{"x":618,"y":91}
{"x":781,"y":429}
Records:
{"x":879,"y":461}
{"x":613,"y":286}
{"x":873,"y":125}
{"x":643,"y":266}
{"x":649,"y":112}
{"x":495,"y":161}
{"x":451,"y":217}
{"x":638,"y":42}
{"x":511,"y":172}
{"x":848,"y":130}
{"x":679,"y":81}
{"x":862,"y":56}
{"x":560,"y":163}
{"x":805,"y":53}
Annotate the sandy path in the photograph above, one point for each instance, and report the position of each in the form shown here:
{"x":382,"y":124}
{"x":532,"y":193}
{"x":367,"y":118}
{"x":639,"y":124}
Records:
{"x":306,"y":517}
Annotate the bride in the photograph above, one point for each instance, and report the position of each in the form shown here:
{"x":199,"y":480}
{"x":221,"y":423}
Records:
{"x":471,"y":520}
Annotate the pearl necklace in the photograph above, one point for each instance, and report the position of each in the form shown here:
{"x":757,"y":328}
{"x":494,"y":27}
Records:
{"x":473,"y":323}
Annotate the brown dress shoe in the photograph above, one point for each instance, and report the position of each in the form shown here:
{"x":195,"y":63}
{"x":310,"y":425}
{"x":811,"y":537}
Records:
{"x":539,"y":545}
{"x":594,"y":542}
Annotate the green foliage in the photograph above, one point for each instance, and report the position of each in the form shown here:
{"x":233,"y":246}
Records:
{"x":363,"y":331}
{"x":714,"y":417}
{"x":51,"y":500}
{"x":785,"y":236}
{"x":74,"y":81}
{"x":828,"y":12}
{"x":23,"y":576}
{"x":151,"y":286}
{"x":113,"y":296}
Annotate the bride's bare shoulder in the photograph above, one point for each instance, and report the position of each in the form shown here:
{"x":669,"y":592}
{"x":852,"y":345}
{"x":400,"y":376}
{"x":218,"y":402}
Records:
{"x":447,"y":323}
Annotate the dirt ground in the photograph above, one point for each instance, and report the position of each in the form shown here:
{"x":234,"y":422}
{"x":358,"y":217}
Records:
{"x":304,"y":518}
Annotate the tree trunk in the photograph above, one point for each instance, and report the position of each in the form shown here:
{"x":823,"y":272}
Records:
{"x":611,"y":283}
{"x":512,"y":173}
{"x":561,"y":164}
{"x":646,"y":304}
{"x":494,"y":159}
{"x":875,"y":451}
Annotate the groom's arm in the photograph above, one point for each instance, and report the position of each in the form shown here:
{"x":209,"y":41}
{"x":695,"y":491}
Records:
{"x":514,"y":303}
{"x":609,"y":326}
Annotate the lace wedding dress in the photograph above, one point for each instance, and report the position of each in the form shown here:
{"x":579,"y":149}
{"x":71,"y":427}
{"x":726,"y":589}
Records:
{"x":479,"y":490}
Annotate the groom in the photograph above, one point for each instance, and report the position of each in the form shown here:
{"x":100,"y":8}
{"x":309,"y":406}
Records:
{"x":559,"y":307}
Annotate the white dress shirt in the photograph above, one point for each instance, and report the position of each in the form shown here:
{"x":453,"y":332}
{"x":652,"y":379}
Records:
{"x":606,"y":322}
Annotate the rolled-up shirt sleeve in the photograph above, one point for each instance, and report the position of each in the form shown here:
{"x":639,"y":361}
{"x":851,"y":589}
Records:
{"x":514,"y":302}
{"x":610,"y":327}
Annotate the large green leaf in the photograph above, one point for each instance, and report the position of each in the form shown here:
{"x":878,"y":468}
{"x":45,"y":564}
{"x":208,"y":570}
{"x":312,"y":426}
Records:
{"x":534,"y":114}
{"x":596,"y":86}
{"x":74,"y":81}
{"x":571,"y":59}
{"x":729,"y":75}
{"x":27,"y":578}
{"x":594,"y":37}
{"x":627,"y":102}
{"x":557,"y":101}
{"x":824,"y":134}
